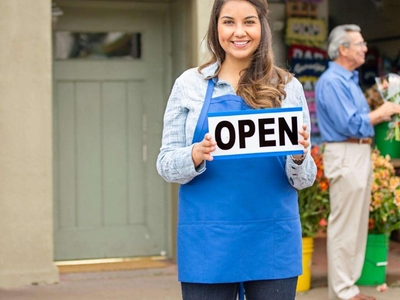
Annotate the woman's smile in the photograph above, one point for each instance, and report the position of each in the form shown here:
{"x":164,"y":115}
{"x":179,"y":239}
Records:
{"x":240,"y":44}
{"x":239,"y":30}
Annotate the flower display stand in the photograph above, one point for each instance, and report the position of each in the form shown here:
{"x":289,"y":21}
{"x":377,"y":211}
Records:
{"x":374,"y":268}
{"x":304,"y":281}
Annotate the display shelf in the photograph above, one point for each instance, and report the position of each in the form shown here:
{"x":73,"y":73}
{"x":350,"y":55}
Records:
{"x":395,"y":162}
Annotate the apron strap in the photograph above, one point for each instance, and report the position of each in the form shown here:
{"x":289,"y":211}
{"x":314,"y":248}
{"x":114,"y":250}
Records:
{"x":241,"y":291}
{"x":202,"y":122}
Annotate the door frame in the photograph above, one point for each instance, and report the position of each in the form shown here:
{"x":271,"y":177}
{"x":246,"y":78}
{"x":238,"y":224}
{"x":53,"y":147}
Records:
{"x":165,"y":10}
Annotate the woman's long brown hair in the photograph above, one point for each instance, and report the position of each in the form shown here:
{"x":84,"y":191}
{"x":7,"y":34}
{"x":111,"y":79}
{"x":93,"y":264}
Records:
{"x":262,"y":84}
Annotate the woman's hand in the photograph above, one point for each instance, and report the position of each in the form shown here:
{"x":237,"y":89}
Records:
{"x":202,"y":151}
{"x":304,"y":140}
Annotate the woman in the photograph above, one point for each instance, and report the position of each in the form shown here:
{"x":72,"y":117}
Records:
{"x":238,"y":218}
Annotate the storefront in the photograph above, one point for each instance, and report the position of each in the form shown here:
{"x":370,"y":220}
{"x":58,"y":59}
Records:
{"x":80,"y":132}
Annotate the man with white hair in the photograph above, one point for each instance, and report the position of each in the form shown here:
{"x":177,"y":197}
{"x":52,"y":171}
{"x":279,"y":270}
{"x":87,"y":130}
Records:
{"x":346,"y":125}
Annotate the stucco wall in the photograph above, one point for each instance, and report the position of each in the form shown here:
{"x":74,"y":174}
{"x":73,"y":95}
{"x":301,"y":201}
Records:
{"x":202,"y":9}
{"x":26,"y":239}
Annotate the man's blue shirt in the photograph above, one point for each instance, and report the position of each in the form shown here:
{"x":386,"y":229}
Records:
{"x":342,"y":110}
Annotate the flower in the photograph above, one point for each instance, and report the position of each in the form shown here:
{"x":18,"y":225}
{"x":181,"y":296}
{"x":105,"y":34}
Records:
{"x":382,"y":288}
{"x":389,"y":89}
{"x":373,"y":97}
{"x":314,"y":200}
{"x":384,"y":211}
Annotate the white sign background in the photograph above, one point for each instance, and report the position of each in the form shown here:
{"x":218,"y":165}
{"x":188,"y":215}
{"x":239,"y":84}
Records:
{"x":252,"y":144}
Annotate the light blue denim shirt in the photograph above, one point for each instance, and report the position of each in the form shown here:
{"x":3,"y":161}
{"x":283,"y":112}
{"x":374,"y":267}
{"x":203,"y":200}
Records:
{"x":174,"y":162}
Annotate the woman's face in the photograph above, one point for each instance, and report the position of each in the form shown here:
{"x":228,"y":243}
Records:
{"x":239,"y":30}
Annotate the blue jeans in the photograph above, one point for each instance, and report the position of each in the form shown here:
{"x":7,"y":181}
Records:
{"x":280,"y":289}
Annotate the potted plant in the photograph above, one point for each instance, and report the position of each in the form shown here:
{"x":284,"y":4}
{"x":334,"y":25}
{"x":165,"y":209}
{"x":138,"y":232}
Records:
{"x":384,"y":217}
{"x":384,"y":214}
{"x":387,"y":134}
{"x":314,"y":210}
{"x":314,"y":201}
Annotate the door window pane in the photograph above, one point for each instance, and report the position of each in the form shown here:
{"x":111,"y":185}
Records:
{"x":103,"y":45}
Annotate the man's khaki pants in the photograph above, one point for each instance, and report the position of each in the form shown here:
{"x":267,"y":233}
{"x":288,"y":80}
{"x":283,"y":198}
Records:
{"x":349,"y":170}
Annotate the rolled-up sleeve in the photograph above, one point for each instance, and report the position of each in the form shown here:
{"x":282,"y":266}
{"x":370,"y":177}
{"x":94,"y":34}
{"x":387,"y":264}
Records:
{"x":300,"y":176}
{"x":350,"y":122}
{"x":174,"y":162}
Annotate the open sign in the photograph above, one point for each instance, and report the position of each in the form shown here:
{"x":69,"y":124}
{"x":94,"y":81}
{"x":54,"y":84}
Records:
{"x":256,"y":132}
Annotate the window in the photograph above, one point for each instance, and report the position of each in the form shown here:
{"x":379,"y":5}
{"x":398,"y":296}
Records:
{"x":89,"y":45}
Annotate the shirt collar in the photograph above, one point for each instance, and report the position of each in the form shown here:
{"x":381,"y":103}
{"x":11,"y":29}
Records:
{"x":209,"y":71}
{"x":348,"y":75}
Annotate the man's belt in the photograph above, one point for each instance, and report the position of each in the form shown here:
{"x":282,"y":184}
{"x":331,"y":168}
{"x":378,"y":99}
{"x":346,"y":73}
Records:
{"x":359,"y":141}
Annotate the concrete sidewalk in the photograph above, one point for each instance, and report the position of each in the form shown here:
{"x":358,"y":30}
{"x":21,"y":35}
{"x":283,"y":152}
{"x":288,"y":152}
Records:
{"x":162,"y":284}
{"x":153,"y":284}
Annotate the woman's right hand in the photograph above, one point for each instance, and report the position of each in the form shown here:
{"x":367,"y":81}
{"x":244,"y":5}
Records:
{"x":202,"y":150}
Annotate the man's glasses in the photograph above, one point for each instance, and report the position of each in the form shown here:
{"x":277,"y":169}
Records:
{"x":359,"y":44}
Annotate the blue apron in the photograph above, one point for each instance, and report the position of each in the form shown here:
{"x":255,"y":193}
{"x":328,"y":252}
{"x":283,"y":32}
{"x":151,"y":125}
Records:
{"x":239,"y":220}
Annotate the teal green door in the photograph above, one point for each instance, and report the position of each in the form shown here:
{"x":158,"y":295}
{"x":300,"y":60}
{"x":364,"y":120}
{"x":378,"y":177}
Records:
{"x":108,"y":198}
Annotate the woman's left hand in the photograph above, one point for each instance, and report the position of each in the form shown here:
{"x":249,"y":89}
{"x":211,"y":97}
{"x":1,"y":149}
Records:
{"x":303,"y":140}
